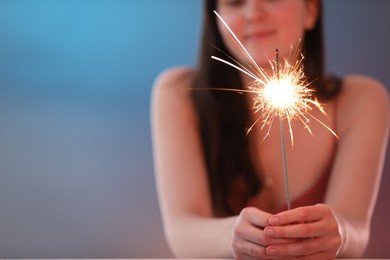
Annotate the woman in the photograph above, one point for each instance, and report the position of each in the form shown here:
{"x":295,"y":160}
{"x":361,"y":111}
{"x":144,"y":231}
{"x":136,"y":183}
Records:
{"x":222,"y":192}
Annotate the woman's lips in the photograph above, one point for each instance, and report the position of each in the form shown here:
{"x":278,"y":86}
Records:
{"x":259,"y":35}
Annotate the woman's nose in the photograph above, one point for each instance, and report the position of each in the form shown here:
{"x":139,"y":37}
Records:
{"x":255,"y":9}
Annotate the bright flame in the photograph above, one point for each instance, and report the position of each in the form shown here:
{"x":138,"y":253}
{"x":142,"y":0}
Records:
{"x":281,"y":95}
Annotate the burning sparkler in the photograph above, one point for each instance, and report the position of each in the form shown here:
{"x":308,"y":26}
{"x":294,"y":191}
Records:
{"x":284,"y":94}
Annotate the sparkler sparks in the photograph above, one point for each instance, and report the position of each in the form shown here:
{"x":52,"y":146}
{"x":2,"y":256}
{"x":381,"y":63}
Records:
{"x":283,"y":94}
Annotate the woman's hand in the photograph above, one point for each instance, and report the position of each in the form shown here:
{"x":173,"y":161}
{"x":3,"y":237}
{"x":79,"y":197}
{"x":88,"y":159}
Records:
{"x":249,"y":240}
{"x":314,"y":228}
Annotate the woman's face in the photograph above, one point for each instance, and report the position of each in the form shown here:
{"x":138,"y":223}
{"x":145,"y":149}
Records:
{"x":264,"y":25}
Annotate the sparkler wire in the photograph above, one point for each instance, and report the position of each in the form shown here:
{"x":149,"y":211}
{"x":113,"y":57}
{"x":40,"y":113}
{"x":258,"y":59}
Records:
{"x":284,"y":157}
{"x":286,"y":184}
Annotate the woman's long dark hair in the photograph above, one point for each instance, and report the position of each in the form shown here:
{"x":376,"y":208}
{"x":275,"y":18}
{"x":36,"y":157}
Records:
{"x":224,"y":116}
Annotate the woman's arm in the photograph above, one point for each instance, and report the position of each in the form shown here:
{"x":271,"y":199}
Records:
{"x":181,"y":175}
{"x":363,"y":121}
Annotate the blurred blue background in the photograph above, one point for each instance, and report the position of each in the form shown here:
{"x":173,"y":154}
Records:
{"x":76,"y":168}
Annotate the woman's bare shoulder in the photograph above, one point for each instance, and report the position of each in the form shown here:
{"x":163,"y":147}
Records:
{"x":174,"y":81}
{"x":363,"y":92}
{"x":362,"y":99}
{"x":171,"y":94}
{"x":360,"y":84}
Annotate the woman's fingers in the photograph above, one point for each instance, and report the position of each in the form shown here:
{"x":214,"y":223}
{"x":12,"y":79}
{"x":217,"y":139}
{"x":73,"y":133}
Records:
{"x":250,"y":227}
{"x":305,"y":222}
{"x":307,"y":231}
{"x":255,"y":216}
{"x":300,"y":215}
{"x":249,"y":239}
{"x":302,"y":230}
{"x":248,"y":249}
{"x":305,"y":247}
{"x":314,"y":228}
{"x":257,"y":236}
